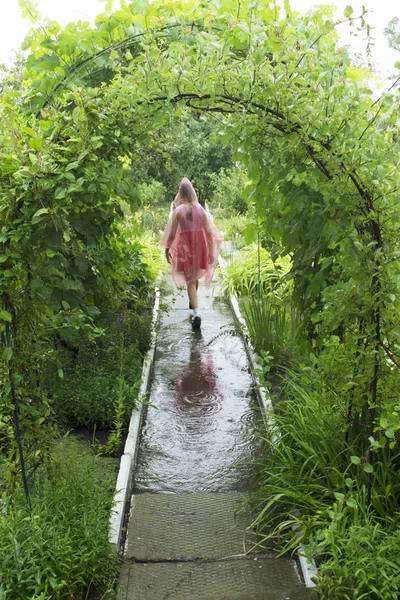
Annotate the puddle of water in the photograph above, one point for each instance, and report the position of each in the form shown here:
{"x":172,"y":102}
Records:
{"x":200,"y":433}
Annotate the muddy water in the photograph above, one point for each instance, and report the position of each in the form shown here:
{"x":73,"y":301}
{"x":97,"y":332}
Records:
{"x":200,"y":428}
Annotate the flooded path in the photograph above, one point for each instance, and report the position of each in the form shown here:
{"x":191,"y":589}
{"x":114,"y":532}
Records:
{"x":199,"y":432}
{"x":198,"y":445}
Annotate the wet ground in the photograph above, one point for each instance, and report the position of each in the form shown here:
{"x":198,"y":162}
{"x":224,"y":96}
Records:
{"x":199,"y":444}
{"x":200,"y":428}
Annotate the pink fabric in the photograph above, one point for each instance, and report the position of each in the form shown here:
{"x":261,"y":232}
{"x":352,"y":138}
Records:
{"x":195,"y":245}
{"x":197,"y":384}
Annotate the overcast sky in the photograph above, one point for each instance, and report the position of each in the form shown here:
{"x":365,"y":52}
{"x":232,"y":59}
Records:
{"x":13,"y":28}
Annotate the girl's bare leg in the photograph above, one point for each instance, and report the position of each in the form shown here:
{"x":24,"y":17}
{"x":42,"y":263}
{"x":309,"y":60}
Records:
{"x":192,"y":293}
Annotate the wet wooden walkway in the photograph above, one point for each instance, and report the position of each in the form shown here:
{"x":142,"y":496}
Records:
{"x":185,"y":539}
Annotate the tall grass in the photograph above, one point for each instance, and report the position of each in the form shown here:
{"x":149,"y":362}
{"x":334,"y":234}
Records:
{"x":59,"y":549}
{"x":263,"y":289}
{"x":303,"y":467}
{"x":254,"y":273}
{"x":365,"y":563}
{"x":312,"y":493}
{"x":267,"y":325}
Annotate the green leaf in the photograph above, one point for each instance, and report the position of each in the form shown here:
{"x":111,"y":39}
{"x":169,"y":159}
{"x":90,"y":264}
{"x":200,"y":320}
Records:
{"x":39,"y":214}
{"x":5,"y":316}
{"x":46,"y":62}
{"x":72,"y":165}
{"x":348,"y":11}
{"x":60,"y":193}
{"x":7,"y":354}
{"x":368,"y":468}
{"x":76,"y":114}
{"x":65,"y":305}
{"x":35,"y":144}
{"x":351,"y":503}
{"x":250,"y":233}
{"x":355,"y":460}
{"x":60,"y":373}
{"x":244,"y":28}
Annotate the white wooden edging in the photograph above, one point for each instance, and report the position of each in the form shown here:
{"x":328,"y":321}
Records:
{"x":309,"y":570}
{"x":128,"y":459}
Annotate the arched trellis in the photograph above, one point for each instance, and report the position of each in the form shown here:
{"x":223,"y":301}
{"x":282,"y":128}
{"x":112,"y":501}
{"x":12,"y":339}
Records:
{"x":295,"y":136}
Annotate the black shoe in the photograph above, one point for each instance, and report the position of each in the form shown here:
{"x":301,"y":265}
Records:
{"x":196,"y":322}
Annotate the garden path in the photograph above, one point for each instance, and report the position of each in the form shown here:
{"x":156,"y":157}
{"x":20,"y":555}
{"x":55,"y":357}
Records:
{"x":185,"y":540}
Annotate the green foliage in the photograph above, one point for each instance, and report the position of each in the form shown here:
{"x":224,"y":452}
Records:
{"x":267,"y":325}
{"x":186,"y":146}
{"x":154,"y":220}
{"x":254,"y":272}
{"x":313,"y":488}
{"x":120,"y":411}
{"x":100,"y":378}
{"x":365,"y":563}
{"x":11,"y":77}
{"x":59,"y":549}
{"x":303,"y":466}
{"x":392,"y":32}
{"x":152,"y":257}
{"x":229,"y":189}
{"x":61,"y":248}
{"x":230,"y":226}
{"x":152,"y":194}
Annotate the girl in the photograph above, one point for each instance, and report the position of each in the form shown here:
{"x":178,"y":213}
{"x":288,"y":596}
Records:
{"x":192,"y":244}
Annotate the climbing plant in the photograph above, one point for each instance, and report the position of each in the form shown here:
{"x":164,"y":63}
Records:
{"x":321,"y":154}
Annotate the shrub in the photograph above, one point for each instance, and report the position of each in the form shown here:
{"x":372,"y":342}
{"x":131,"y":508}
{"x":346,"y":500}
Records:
{"x":154,"y":219}
{"x":94,"y":380}
{"x":231,"y":226}
{"x":229,"y":185}
{"x":59,"y":549}
{"x":152,"y":193}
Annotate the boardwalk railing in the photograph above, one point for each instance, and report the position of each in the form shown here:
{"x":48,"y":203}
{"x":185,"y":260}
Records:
{"x":128,"y":459}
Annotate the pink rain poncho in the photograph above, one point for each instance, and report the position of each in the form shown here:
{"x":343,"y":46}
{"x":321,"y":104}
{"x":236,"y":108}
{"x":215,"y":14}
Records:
{"x":192,"y":239}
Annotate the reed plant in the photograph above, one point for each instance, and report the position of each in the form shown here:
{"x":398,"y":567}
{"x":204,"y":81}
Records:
{"x":302,"y":467}
{"x":266,"y":322}
{"x":312,"y":492}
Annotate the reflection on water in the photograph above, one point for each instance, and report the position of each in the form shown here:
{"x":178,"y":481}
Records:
{"x":196,"y":388}
{"x":199,"y":432}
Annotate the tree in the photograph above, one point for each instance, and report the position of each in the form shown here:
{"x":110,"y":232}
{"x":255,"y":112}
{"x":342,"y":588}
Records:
{"x":11,"y":77}
{"x":186,"y":146}
{"x":392,"y":32}
{"x":229,"y":187}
